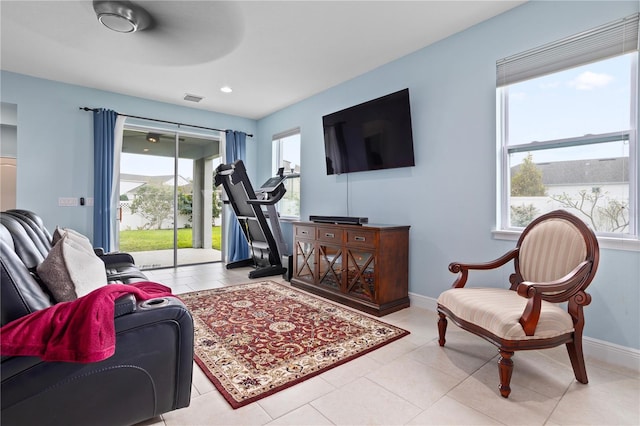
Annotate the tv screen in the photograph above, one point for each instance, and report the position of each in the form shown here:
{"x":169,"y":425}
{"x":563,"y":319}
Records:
{"x":371,"y":136}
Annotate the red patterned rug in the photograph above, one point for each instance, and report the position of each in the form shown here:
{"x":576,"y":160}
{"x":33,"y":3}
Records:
{"x":253,"y":340}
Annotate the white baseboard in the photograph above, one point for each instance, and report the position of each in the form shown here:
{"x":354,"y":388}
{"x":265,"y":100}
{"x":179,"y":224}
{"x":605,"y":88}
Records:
{"x":600,"y":350}
{"x":611,"y":353}
{"x":423,"y":302}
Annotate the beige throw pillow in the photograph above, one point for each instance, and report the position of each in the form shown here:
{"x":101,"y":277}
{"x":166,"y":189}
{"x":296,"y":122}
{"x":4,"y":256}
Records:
{"x":74,"y":236}
{"x":70,"y":271}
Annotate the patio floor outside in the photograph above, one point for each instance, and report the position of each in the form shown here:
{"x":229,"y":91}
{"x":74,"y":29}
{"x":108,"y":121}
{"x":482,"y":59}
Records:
{"x":164,"y":258}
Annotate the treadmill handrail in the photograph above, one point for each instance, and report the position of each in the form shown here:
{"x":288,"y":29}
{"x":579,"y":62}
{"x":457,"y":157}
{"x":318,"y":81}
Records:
{"x":274,"y":196}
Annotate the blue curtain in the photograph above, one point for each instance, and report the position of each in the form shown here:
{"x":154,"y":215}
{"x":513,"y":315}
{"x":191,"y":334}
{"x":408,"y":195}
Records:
{"x":236,"y":149}
{"x":104,"y":122}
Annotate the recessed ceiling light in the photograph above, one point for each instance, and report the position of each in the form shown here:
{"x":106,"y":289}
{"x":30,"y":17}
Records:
{"x":226,"y":89}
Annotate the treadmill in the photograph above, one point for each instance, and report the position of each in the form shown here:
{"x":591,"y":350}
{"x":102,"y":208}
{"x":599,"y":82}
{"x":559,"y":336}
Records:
{"x":258,"y":218}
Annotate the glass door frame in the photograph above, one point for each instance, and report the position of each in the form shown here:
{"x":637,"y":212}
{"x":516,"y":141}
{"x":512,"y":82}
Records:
{"x":177,"y":132}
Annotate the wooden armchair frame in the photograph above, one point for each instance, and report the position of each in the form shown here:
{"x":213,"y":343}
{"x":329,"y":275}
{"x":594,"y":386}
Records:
{"x":569,"y":288}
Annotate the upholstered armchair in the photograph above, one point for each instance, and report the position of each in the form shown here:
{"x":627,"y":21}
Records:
{"x":555,"y":259}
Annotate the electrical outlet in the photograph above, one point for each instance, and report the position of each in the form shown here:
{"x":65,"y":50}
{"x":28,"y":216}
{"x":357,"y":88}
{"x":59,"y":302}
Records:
{"x":89,"y":201}
{"x":67,"y":201}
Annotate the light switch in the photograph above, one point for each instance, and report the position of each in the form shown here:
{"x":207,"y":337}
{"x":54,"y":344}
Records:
{"x":67,"y":201}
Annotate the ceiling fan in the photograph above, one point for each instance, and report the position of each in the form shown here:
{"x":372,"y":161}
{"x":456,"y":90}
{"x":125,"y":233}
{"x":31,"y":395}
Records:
{"x":167,"y":32}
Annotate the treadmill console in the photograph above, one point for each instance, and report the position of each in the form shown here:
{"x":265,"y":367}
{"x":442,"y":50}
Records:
{"x":272,"y":190}
{"x":271,"y":184}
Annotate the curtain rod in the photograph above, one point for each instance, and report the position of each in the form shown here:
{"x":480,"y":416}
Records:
{"x":161,"y":121}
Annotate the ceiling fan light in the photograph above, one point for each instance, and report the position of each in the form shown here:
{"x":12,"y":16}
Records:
{"x":117,"y":23}
{"x":153,"y":137}
{"x":121,"y":16}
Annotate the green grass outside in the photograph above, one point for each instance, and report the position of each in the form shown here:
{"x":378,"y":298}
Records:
{"x":161,"y":239}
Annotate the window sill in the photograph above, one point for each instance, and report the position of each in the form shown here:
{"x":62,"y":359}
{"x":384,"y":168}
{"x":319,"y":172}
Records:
{"x":626,"y":244}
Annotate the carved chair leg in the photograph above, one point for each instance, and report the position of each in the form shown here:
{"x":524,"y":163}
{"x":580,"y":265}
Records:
{"x":577,"y":361}
{"x":442,"y":328}
{"x":505,"y":368}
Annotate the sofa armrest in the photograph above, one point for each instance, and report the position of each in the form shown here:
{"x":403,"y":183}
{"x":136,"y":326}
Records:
{"x":150,"y":374}
{"x":112,"y":258}
{"x":124,"y":305}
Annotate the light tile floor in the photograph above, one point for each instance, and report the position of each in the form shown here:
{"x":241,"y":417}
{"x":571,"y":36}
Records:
{"x":416,"y":382}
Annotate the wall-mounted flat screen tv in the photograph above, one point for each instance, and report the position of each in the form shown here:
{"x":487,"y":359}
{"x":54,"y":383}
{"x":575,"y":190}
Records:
{"x":373,"y":135}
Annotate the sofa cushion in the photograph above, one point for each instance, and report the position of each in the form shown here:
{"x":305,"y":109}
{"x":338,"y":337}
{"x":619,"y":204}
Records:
{"x":70,"y":271}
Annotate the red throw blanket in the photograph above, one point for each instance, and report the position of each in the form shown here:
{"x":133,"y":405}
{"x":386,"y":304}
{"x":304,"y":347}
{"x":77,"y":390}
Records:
{"x":79,"y":331}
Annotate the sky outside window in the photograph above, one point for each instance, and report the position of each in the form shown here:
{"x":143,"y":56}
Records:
{"x":590,"y":99}
{"x":150,"y":165}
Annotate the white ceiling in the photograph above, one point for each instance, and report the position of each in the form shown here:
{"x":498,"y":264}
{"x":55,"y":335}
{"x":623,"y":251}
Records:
{"x":272,"y":53}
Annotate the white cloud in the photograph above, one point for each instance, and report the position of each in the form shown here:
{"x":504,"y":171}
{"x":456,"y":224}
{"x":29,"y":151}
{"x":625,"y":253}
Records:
{"x":590,"y":80}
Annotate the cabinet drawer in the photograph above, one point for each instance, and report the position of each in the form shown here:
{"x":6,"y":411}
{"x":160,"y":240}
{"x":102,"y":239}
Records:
{"x":361,"y":238}
{"x":305,"y":232}
{"x":330,"y":235}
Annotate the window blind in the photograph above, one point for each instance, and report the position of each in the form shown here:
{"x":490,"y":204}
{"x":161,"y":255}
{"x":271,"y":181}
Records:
{"x":612,"y":39}
{"x":286,"y":133}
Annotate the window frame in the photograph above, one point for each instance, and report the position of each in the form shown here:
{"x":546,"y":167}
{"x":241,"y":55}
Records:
{"x":627,"y":241}
{"x":277,"y":141}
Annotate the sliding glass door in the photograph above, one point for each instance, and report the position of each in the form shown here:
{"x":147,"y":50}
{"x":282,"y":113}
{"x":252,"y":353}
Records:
{"x":169,"y":211}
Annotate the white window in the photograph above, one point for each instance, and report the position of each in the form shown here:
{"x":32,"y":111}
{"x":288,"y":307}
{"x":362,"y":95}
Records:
{"x":286,"y":154}
{"x":567,"y":130}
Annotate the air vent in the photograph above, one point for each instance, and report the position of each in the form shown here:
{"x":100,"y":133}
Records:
{"x":193,"y":98}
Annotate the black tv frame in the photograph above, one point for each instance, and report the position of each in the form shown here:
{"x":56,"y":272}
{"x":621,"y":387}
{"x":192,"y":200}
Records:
{"x":373,"y":135}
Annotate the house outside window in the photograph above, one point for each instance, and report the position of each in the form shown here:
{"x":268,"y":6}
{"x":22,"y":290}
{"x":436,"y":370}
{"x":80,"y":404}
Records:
{"x":567,"y":131}
{"x":286,"y":154}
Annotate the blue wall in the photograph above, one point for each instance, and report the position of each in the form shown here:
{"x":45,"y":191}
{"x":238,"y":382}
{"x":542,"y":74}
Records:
{"x":55,"y":141}
{"x":449,"y":198}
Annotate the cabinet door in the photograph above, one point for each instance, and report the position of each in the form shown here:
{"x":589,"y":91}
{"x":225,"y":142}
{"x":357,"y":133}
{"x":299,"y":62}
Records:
{"x":361,"y":274}
{"x":330,"y":266}
{"x":305,"y":254}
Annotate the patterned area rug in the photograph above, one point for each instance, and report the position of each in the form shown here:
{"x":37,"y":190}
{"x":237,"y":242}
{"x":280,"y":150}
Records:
{"x":255,"y":339}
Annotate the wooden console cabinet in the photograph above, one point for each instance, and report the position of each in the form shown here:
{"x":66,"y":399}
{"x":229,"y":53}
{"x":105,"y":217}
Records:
{"x":364,"y":267}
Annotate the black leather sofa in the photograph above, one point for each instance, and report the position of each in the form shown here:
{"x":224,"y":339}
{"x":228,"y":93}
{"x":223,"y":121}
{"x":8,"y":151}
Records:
{"x":149,"y":374}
